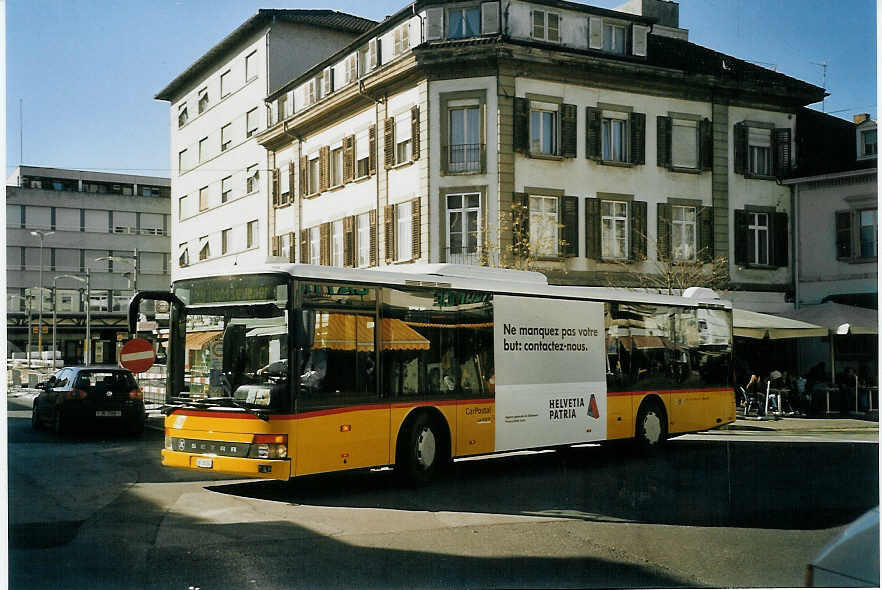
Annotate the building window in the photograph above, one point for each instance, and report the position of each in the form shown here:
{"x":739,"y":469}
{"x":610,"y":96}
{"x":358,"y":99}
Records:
{"x":313,"y":177}
{"x":759,"y":151}
{"x":543,"y":128}
{"x":251,"y":66}
{"x":203,"y":100}
{"x":403,"y":143}
{"x":404,"y":231}
{"x":337,"y":243}
{"x":868,"y":143}
{"x":184,"y":257}
{"x":363,"y":223}
{"x":182,"y":116}
{"x":362,"y":155}
{"x":337,"y":166}
{"x":203,"y":198}
{"x":225,"y":240}
{"x":251,"y":178}
{"x":225,"y":84}
{"x":463,"y":22}
{"x":684,"y":143}
{"x":868,"y":232}
{"x":183,"y":207}
{"x":251,"y":122}
{"x":683,"y":232}
{"x":315,"y":245}
{"x":226,"y":188}
{"x":463,"y":227}
{"x":544,"y":231}
{"x":351,"y":68}
{"x":614,"y":38}
{"x":614,"y":133}
{"x":205,"y":250}
{"x":251,"y":234}
{"x":226,"y":136}
{"x":182,"y":161}
{"x":546,"y":26}
{"x":203,"y":149}
{"x":401,"y":39}
{"x":758,"y":238}
{"x":614,"y":229}
{"x":464,"y":151}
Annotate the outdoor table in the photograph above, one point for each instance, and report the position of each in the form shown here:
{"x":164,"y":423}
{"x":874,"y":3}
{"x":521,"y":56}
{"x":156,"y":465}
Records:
{"x":778,"y":394}
{"x":871,"y":390}
{"x":826,"y":389}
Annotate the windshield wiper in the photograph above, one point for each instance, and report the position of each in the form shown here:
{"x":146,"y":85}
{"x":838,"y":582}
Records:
{"x":232,"y":403}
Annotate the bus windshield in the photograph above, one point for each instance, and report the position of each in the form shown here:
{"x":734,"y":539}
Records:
{"x":237,"y":340}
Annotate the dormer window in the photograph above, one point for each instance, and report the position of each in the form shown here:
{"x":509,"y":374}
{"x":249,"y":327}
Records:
{"x":546,"y":26}
{"x":614,"y":38}
{"x":463,"y":22}
{"x":868,"y":143}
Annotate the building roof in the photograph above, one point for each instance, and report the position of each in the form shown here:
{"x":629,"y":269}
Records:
{"x":328,"y":19}
{"x":67,"y":173}
{"x":826,"y":145}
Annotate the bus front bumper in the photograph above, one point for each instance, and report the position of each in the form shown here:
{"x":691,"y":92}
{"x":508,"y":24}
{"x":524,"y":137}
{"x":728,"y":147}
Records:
{"x":262,"y":468}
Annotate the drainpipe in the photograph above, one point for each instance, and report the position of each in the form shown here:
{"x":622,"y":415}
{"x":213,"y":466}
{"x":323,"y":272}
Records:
{"x":299,"y":139}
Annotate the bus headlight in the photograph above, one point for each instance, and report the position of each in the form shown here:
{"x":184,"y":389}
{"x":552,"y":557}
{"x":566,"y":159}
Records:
{"x":168,"y":442}
{"x":269,"y":446}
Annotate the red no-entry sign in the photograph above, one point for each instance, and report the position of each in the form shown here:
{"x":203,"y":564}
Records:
{"x":137,"y":355}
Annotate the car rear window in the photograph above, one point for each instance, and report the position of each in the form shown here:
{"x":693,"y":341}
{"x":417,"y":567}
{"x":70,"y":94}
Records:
{"x":104,"y":381}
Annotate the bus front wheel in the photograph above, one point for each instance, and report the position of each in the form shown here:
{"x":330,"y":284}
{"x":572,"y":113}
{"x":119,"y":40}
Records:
{"x":422,"y":451}
{"x":652,"y":426}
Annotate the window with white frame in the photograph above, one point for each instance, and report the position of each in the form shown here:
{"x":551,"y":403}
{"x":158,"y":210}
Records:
{"x":251,"y":235}
{"x":758,"y":238}
{"x":544,"y":230}
{"x":464,"y":120}
{"x":251,"y":177}
{"x":683,"y":232}
{"x":868,"y":233}
{"x":614,"y":136}
{"x":868,"y":143}
{"x":544,"y":123}
{"x":226,"y":136}
{"x":251,"y":66}
{"x":614,"y":229}
{"x":404,"y":230}
{"x":363,"y":223}
{"x":225,"y":240}
{"x":546,"y":26}
{"x":362,"y":155}
{"x":684,"y":143}
{"x":203,"y":100}
{"x":463,"y":22}
{"x":185,"y":207}
{"x":226,"y":188}
{"x":403,"y":144}
{"x":337,"y":166}
{"x":463,"y":226}
{"x":313,"y":176}
{"x":759,"y":151}
{"x":363,"y":60}
{"x":225,"y":85}
{"x":614,"y":38}
{"x":251,"y":122}
{"x":315,"y":245}
{"x":337,"y":243}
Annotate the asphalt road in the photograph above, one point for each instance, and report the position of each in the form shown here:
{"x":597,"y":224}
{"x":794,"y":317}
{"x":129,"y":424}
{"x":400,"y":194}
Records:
{"x":722,"y":509}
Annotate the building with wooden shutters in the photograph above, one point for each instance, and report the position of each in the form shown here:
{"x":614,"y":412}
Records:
{"x":594,"y":144}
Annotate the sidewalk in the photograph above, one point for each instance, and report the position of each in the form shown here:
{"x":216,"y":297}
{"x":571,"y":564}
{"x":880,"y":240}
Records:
{"x":835,"y":423}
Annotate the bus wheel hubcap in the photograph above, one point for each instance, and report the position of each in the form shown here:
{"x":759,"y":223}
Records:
{"x":426,"y":448}
{"x":652,"y":428}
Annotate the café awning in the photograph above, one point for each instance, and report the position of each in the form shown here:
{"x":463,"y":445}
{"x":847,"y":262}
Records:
{"x":752,"y":324}
{"x":840,"y":319}
{"x":337,"y":331}
{"x":198,"y":340}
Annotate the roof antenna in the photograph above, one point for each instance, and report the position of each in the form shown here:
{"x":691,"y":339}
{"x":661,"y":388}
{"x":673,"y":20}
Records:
{"x":823,"y":66}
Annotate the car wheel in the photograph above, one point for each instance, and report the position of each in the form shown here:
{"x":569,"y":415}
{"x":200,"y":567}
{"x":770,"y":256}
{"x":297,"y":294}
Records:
{"x":422,"y":451}
{"x":652,"y":426}
{"x":35,"y":418}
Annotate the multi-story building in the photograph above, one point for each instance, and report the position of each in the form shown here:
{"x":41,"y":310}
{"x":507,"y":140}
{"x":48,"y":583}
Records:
{"x":115,"y":226}
{"x":216,"y":108}
{"x":592,"y":144}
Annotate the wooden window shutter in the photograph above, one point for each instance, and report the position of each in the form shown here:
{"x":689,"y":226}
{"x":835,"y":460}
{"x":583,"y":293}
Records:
{"x":325,"y":244}
{"x":638,"y":138}
{"x":593,"y":117}
{"x":780,"y":243}
{"x":638,"y":40}
{"x":843,"y":235}
{"x":372,"y":149}
{"x":292,"y":247}
{"x":489,"y":18}
{"x":275,"y":245}
{"x":706,"y":144}
{"x":416,"y":233}
{"x":592,"y":229}
{"x":304,"y":246}
{"x":781,"y":151}
{"x":663,"y":231}
{"x":434,"y":23}
{"x":740,"y":143}
{"x":349,"y":241}
{"x":415,"y":131}
{"x":389,"y":142}
{"x":705,"y":238}
{"x":520,"y":226}
{"x":327,"y":81}
{"x":740,"y":237}
{"x":595,"y":32}
{"x":277,"y":187}
{"x":637,"y":235}
{"x":568,"y":130}
{"x":292,"y":178}
{"x":389,"y":233}
{"x":304,"y":184}
{"x":521,"y":125}
{"x":348,"y":158}
{"x":663,"y":141}
{"x":324,"y":168}
{"x":373,"y":53}
{"x":570,"y":221}
{"x":374,"y":246}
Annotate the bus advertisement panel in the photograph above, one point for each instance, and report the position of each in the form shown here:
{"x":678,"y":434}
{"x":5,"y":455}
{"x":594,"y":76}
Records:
{"x":550,"y":372}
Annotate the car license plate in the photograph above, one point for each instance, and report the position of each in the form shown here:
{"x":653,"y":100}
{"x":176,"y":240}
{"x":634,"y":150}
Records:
{"x":108,"y":413}
{"x":204,"y":462}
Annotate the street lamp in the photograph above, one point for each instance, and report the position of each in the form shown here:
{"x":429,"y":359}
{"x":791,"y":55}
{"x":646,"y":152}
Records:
{"x":42,"y":235}
{"x":87,"y":349}
{"x":133,"y":261}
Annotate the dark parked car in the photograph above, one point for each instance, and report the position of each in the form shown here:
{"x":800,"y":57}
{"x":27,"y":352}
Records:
{"x":79,"y":396}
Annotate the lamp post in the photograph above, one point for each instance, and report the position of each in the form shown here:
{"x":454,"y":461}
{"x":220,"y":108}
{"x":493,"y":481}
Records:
{"x":42,"y":235}
{"x":133,"y":261}
{"x":55,"y":315}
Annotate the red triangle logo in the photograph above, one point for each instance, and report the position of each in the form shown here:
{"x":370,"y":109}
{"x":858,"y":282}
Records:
{"x":592,"y":408}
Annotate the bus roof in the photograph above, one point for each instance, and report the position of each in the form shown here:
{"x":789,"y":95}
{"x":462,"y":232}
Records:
{"x":456,"y":276}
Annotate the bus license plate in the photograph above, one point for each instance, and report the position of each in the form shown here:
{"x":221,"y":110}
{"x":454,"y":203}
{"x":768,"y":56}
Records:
{"x":108,"y":413}
{"x":204,"y":462}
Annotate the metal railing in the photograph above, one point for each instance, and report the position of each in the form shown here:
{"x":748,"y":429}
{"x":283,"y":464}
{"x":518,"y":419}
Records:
{"x":466,"y":157}
{"x":471,"y":255}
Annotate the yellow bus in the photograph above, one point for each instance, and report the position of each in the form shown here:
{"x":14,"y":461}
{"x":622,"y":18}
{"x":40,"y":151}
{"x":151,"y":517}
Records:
{"x":295,"y":369}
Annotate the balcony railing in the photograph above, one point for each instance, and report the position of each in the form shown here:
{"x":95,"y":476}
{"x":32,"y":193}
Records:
{"x":471,"y":255}
{"x":465,"y":157}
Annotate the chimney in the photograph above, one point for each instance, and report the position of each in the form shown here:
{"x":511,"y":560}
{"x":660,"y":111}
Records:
{"x":666,"y":13}
{"x":858,"y":119}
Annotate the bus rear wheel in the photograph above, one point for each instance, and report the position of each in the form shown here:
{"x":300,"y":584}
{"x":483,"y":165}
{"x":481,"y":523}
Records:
{"x":652,"y":426}
{"x":422,"y":451}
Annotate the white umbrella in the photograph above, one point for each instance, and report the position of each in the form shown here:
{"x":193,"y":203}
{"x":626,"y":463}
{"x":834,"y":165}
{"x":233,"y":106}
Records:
{"x":752,"y":324}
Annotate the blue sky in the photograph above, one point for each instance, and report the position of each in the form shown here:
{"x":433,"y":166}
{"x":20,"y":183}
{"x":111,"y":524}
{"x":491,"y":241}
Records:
{"x":84,"y":72}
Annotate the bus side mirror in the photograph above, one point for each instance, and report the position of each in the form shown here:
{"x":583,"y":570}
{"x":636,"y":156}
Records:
{"x":304,"y":329}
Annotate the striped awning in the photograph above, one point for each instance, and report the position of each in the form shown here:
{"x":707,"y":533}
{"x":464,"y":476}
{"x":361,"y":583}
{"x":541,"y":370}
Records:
{"x":337,"y":331}
{"x":198,"y":340}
